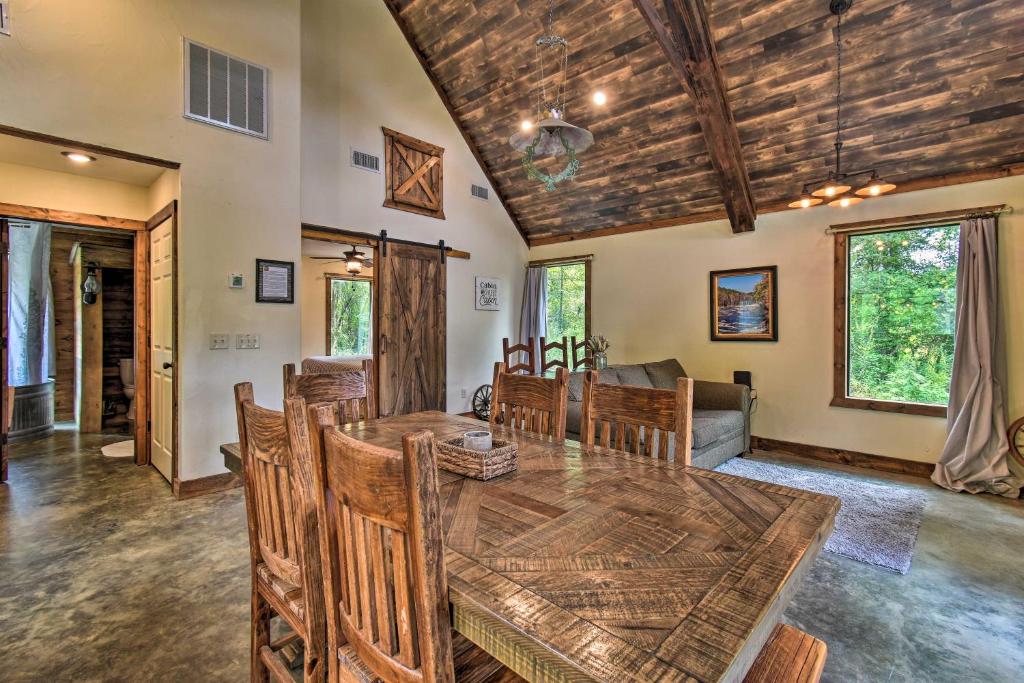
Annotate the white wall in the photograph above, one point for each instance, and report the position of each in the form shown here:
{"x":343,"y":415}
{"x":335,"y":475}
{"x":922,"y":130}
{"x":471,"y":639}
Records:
{"x":358,"y":74}
{"x":109,"y":72}
{"x":650,"y":298}
{"x":30,"y":186}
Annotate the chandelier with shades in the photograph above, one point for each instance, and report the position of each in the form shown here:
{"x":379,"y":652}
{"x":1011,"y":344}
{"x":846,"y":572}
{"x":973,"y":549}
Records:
{"x":548,"y":134}
{"x":838,"y":187}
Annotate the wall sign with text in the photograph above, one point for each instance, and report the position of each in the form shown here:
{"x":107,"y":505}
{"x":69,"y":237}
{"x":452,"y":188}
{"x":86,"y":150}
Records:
{"x":488,"y":294}
{"x":275,"y":282}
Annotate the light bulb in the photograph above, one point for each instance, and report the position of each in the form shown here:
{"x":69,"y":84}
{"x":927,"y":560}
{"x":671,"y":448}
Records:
{"x":526,"y":124}
{"x":830,"y":190}
{"x":600,"y":98}
{"x":78,"y":157}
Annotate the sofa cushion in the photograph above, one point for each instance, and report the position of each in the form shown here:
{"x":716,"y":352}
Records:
{"x":711,"y":425}
{"x":608,"y":376}
{"x":664,"y":373}
{"x":573,"y":418}
{"x":632,"y":375}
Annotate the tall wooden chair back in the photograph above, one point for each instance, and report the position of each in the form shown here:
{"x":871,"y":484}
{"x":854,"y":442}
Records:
{"x":561,"y":356}
{"x":351,"y":391}
{"x":581,"y":357}
{"x":533,"y":404}
{"x":282,"y":520}
{"x":529,"y":367}
{"x":638,"y":420}
{"x":383,"y":561}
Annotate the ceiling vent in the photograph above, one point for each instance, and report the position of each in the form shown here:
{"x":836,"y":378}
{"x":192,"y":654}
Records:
{"x":365,"y":161}
{"x":225,"y":91}
{"x":479,"y":191}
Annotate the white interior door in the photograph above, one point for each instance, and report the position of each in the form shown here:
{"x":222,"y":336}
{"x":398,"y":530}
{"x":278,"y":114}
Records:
{"x":161,"y":347}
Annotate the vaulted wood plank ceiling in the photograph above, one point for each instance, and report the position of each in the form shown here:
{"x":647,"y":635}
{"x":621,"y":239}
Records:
{"x":931,"y":88}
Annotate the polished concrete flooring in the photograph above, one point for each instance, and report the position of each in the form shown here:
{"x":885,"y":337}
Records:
{"x":105,"y":577}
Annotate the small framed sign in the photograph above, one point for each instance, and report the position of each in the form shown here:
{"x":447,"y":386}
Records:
{"x":275,"y":282}
{"x":488,"y":294}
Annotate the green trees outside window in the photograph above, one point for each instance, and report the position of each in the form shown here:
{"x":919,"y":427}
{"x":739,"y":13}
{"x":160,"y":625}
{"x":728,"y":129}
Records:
{"x":567,"y":300}
{"x":902,"y":314}
{"x":350,"y":308}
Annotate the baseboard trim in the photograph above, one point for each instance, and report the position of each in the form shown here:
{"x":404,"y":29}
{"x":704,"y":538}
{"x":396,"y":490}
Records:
{"x":882,"y":463}
{"x":204,"y":485}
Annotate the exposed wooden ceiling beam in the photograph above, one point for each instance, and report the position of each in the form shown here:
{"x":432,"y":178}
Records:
{"x":690,"y":50}
{"x":406,"y":30}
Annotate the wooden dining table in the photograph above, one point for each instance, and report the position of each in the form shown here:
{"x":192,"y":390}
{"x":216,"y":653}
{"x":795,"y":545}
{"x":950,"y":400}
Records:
{"x":593,"y":564}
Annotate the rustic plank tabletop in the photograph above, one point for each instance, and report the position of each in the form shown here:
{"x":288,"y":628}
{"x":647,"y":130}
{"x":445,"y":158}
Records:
{"x":588,"y":563}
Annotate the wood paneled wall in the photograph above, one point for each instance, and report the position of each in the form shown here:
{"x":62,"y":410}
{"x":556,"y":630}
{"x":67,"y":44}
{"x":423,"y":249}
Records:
{"x":118,"y":338}
{"x":104,"y":249}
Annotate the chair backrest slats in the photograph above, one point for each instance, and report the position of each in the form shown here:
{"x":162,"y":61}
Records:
{"x":351,"y":391}
{"x":561,"y":357}
{"x":383,"y":561}
{"x":533,"y":404}
{"x":529,"y":366}
{"x":632,"y":419}
{"x":581,"y":357}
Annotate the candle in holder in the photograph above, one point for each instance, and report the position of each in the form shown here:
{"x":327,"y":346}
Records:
{"x":477,"y":441}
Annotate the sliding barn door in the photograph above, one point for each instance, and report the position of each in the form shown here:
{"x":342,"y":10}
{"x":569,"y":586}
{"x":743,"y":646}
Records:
{"x":5,"y":400}
{"x":161,"y":341}
{"x":411,"y":338}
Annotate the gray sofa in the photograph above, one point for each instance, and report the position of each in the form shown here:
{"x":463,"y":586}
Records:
{"x":721,"y":411}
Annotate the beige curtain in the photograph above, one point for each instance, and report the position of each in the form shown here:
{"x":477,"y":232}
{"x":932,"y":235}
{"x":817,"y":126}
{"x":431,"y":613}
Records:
{"x":976,"y":455}
{"x":534,"y":315}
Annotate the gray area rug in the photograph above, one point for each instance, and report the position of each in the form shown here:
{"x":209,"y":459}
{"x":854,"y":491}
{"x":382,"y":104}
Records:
{"x":877,"y":523}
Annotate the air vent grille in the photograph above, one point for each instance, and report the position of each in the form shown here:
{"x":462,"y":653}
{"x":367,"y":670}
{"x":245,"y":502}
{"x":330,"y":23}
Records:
{"x":479,"y":191}
{"x":224,"y":91}
{"x":365,"y":161}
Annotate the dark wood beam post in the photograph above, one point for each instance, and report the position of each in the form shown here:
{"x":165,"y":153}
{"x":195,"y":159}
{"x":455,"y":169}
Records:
{"x":690,"y":50}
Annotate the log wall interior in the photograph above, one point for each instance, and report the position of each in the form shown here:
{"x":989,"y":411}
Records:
{"x":931,"y":88}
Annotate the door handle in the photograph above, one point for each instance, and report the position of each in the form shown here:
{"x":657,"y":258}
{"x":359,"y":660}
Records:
{"x":168,"y":365}
{"x":383,"y":343}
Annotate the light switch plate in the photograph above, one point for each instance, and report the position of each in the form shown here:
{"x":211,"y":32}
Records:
{"x":220,"y":341}
{"x":247,"y":341}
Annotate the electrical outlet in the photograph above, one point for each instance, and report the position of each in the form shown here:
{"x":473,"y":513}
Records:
{"x":220,"y":341}
{"x":247,"y":341}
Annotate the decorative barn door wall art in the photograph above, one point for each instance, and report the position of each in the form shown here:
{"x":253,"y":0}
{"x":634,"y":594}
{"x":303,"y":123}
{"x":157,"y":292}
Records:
{"x":415,"y":177}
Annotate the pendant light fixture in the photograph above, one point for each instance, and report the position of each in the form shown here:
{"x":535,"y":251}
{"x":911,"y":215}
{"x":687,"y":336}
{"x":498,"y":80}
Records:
{"x":836,"y":187}
{"x":549,"y":134}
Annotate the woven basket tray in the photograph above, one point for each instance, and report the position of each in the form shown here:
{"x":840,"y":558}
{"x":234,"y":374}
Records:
{"x":501,"y":459}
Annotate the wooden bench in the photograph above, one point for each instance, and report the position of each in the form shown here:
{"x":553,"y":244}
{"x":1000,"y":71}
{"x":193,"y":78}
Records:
{"x":789,"y":656}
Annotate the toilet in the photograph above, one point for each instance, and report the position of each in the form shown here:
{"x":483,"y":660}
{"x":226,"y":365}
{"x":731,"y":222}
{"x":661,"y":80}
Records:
{"x":127,"y":367}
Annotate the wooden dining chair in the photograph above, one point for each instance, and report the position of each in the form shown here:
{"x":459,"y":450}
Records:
{"x":633,"y":419}
{"x":351,"y":391}
{"x":383,"y":563}
{"x":561,"y":349}
{"x":581,"y":357}
{"x":283,"y":541}
{"x":533,"y":404}
{"x":529,"y":367}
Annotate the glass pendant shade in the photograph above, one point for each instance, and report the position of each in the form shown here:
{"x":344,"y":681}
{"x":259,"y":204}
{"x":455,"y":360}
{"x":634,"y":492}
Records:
{"x":354,"y":266}
{"x":875,"y":187}
{"x":832,"y":188}
{"x":846,"y":200}
{"x":805,"y":201}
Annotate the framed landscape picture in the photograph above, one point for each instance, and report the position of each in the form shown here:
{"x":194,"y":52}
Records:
{"x":745,"y":304}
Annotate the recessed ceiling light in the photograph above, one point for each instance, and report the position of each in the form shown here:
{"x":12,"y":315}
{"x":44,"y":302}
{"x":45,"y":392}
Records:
{"x":600,"y":98}
{"x":79,"y":158}
{"x":526,"y":124}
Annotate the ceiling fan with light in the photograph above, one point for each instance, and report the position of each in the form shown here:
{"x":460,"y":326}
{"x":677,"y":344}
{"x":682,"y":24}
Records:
{"x":354,"y":259}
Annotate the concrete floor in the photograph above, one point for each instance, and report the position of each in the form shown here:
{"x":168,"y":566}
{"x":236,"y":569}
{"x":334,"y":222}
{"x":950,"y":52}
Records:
{"x":104,"y":576}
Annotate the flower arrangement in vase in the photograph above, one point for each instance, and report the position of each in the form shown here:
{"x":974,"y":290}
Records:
{"x":598,"y":346}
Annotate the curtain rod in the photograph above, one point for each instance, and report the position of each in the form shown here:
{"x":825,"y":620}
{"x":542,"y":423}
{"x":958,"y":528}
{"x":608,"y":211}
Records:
{"x":918,"y":221}
{"x":561,"y":259}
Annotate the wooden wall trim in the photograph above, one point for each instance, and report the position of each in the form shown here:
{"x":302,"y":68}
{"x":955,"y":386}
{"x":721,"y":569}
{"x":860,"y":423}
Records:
{"x":36,"y":213}
{"x":324,"y":233}
{"x":559,"y":260}
{"x":840,"y":456}
{"x":707,"y":216}
{"x":87,"y":147}
{"x":690,"y":51}
{"x":406,"y":30}
{"x":214,"y":483}
{"x":915,"y":221}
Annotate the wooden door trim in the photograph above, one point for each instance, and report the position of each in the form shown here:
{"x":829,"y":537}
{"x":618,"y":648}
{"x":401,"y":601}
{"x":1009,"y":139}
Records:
{"x":73,"y":218}
{"x":87,"y":147}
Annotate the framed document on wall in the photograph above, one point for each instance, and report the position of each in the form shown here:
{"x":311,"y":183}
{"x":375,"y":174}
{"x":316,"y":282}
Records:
{"x":275,"y":282}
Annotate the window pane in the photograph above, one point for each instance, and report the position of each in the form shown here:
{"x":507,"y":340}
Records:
{"x":902,"y":314}
{"x":567,"y":293}
{"x":350,"y":317}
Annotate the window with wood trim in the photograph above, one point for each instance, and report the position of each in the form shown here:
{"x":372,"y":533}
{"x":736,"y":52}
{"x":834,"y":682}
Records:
{"x":895,"y":317}
{"x":568,"y":299}
{"x":349,"y":316}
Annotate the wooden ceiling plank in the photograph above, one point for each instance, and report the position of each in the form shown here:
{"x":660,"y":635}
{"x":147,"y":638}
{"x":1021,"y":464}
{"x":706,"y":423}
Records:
{"x":410,"y":38}
{"x":690,"y":49}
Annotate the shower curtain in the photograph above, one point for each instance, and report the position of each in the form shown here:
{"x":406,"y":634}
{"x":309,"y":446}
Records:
{"x":32,"y":354}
